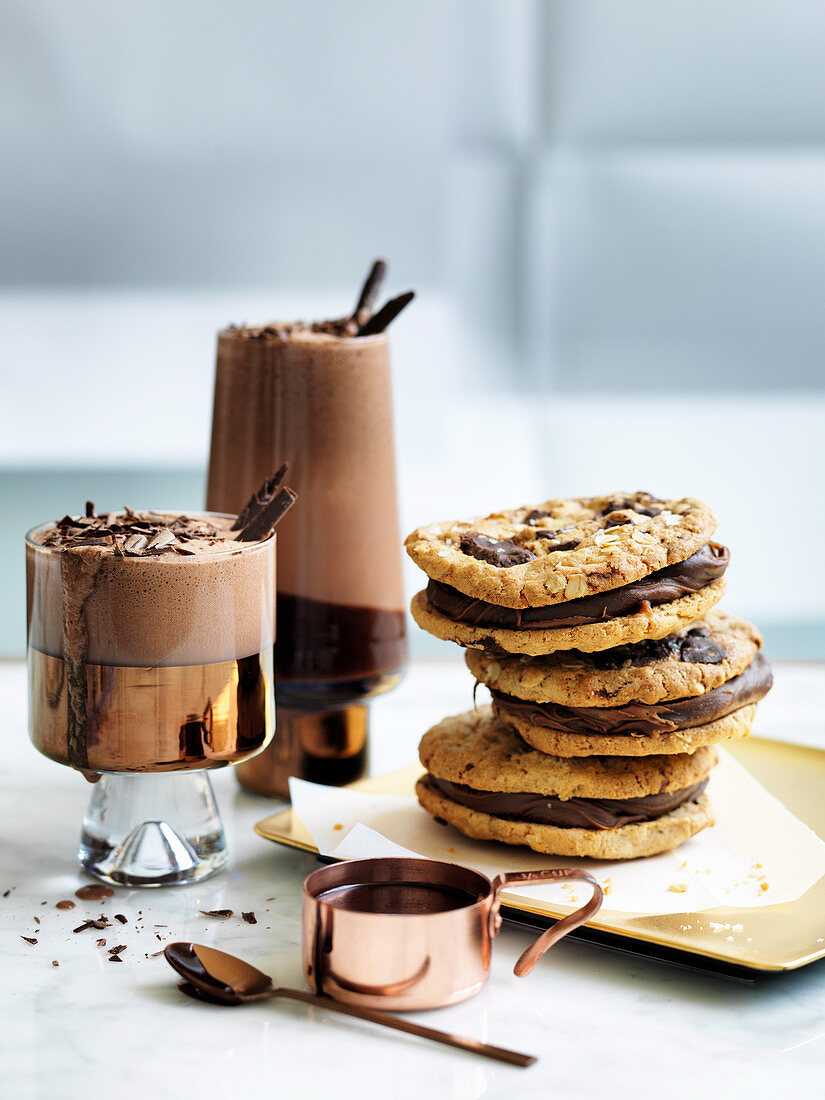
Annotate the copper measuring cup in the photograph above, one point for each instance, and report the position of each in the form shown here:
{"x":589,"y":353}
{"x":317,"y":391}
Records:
{"x":407,"y":934}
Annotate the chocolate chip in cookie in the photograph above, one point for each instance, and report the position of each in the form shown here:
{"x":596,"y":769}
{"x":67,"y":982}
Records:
{"x":556,"y":540}
{"x":694,"y":647}
{"x":503,"y":553}
{"x":698,"y":648}
{"x":643,"y":505}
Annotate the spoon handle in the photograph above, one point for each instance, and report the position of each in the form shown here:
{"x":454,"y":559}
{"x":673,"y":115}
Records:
{"x":500,"y":1054}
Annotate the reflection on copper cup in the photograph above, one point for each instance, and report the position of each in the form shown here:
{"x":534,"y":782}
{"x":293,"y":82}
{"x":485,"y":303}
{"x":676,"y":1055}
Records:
{"x":408,"y":934}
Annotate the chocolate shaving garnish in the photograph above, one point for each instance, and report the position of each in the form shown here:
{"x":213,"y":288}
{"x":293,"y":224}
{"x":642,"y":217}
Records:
{"x":161,"y":539}
{"x":250,"y":918}
{"x":386,"y":314}
{"x":260,"y":498}
{"x":263,"y":524}
{"x":503,"y":553}
{"x":222,"y":913}
{"x":369,"y":292}
{"x":135,"y":544}
{"x":29,"y":939}
{"x":116,"y":545}
{"x":90,"y":508}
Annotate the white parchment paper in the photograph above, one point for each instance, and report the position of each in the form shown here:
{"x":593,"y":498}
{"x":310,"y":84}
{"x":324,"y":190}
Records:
{"x":757,"y":854}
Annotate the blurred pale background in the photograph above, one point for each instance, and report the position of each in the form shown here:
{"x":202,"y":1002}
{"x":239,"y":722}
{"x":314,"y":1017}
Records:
{"x":613,"y":210}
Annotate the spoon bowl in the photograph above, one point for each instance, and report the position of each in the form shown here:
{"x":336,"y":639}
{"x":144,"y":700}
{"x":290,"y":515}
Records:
{"x":221,"y":977}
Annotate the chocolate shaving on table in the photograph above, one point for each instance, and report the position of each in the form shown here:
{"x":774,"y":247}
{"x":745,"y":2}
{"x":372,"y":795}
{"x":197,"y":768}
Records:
{"x":29,"y":939}
{"x":115,"y":959}
{"x":369,"y":292}
{"x":224,"y":914}
{"x":99,"y":924}
{"x":120,"y":917}
{"x":386,"y":314}
{"x":263,"y":524}
{"x":260,"y":498}
{"x":250,"y":918}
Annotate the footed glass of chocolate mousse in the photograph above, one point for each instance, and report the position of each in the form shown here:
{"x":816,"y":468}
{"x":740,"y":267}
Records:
{"x":150,"y":661}
{"x":318,"y":397}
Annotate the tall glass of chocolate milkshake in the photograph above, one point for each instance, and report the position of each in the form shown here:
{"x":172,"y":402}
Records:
{"x":318,"y":397}
{"x":150,"y":661}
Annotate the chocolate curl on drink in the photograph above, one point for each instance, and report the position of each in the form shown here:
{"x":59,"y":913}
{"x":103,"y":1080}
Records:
{"x":265,"y":509}
{"x":369,"y":292}
{"x":386,"y":314}
{"x":260,"y":498}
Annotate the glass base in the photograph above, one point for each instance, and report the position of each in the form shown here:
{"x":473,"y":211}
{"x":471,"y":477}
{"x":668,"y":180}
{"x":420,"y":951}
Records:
{"x":152,"y":830}
{"x":321,"y":746}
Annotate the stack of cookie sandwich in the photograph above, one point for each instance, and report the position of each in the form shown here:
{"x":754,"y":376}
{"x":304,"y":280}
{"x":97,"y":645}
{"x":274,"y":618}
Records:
{"x":613,"y":675}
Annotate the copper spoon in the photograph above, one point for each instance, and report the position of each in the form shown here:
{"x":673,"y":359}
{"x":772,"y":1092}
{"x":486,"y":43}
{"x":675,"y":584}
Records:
{"x":225,"y":979}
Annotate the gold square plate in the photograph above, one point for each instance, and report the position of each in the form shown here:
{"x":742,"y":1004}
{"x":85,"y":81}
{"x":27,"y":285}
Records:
{"x":740,"y":942}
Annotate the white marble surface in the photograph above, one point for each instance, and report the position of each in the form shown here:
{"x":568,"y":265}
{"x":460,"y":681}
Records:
{"x":603,"y":1024}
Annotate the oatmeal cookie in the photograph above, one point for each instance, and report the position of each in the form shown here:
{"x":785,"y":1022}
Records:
{"x":649,"y":622}
{"x":646,"y":838}
{"x":559,"y":550}
{"x":691,"y":662}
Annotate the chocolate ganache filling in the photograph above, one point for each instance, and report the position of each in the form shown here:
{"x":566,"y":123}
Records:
{"x":570,"y":813}
{"x":636,"y":719}
{"x":670,"y":583}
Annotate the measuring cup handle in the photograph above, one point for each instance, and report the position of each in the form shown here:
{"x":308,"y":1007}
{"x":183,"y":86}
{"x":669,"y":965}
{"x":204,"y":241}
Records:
{"x":546,"y":940}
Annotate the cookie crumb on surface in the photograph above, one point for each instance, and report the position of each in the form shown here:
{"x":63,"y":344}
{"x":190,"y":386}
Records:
{"x":678,"y":888}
